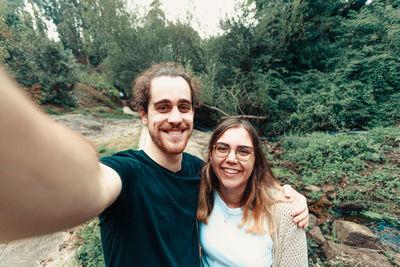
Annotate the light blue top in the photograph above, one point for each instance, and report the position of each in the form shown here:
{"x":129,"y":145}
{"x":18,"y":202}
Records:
{"x":225,"y":244}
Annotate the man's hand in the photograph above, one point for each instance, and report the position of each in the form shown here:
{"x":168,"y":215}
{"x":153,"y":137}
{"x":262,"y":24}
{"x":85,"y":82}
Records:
{"x":300,"y":214}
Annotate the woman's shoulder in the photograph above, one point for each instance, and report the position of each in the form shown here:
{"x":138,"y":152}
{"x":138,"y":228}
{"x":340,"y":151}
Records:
{"x":285,"y":205}
{"x":283,"y":209}
{"x":282,"y":206}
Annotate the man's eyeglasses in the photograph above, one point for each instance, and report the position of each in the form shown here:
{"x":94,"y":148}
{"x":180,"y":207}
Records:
{"x":243,"y":153}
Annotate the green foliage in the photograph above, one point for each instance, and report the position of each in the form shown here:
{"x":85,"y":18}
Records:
{"x":364,"y":166}
{"x":309,"y":65}
{"x":52,"y":111}
{"x":390,"y":255}
{"x":315,"y":195}
{"x":46,"y":66}
{"x":97,"y":80}
{"x":54,"y":74}
{"x":306,"y":65}
{"x":382,"y":216}
{"x":154,"y":39}
{"x":311,"y":243}
{"x":105,"y":152}
{"x":90,"y":252}
{"x":83,"y":26}
{"x":334,"y":236}
{"x":319,"y":150}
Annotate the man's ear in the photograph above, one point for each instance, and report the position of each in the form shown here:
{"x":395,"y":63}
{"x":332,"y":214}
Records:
{"x":143,"y":115}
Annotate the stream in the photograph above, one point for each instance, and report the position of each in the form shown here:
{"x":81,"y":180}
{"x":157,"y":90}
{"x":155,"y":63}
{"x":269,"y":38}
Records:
{"x":387,"y":232}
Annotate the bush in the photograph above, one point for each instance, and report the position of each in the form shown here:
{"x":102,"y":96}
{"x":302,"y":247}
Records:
{"x":363,"y":167}
{"x":35,"y":61}
{"x":90,"y":252}
{"x":54,"y":72}
{"x":96,"y":78}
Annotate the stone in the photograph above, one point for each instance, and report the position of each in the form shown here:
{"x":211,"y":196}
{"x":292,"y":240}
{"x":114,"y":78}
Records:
{"x":313,"y":188}
{"x":328,"y":188}
{"x":353,"y":234}
{"x":316,"y":235}
{"x":396,"y":260}
{"x":34,"y":251}
{"x":65,"y":260}
{"x":2,"y":248}
{"x":344,"y":255}
{"x":313,"y":220}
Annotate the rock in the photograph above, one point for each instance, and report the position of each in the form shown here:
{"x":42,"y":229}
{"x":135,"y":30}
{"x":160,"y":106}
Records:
{"x":328,"y":188}
{"x":348,"y":207}
{"x":313,"y":220}
{"x":396,"y":260}
{"x":344,"y":255}
{"x":66,"y":260}
{"x":129,"y":111}
{"x":324,"y":201}
{"x":313,"y":188}
{"x":101,"y":130}
{"x":34,"y":251}
{"x":2,"y":247}
{"x":353,"y":234}
{"x":316,"y":235}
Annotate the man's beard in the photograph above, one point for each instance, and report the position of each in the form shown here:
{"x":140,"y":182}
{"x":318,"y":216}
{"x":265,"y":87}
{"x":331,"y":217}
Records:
{"x":170,"y":147}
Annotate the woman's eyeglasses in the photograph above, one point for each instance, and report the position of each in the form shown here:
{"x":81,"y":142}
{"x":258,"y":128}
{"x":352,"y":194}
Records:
{"x":243,"y":153}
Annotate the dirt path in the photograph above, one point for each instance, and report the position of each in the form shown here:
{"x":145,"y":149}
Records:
{"x":100,"y":130}
{"x":55,"y":250}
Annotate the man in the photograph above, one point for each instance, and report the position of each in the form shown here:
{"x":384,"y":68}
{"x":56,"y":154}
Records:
{"x":50,"y":178}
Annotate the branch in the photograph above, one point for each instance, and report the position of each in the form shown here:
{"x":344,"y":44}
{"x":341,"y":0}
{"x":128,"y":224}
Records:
{"x":226,"y":115}
{"x":247,"y":117}
{"x":217,"y":109}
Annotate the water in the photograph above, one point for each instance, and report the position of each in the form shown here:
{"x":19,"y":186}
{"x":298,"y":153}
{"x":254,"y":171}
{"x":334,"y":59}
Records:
{"x":388,"y":233}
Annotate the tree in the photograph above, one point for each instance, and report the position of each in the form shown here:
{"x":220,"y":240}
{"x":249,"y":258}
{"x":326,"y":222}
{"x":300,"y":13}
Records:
{"x":46,"y":67}
{"x":142,"y":41}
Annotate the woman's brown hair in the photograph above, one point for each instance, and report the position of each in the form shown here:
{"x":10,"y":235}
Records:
{"x":259,"y":195}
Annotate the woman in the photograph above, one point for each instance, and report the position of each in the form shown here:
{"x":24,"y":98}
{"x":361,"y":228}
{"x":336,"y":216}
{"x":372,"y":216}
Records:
{"x":244,"y":218}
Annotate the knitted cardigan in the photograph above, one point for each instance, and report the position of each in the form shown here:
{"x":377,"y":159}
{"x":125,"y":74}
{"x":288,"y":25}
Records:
{"x":290,"y":244}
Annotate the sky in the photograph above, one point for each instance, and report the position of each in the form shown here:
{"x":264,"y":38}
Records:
{"x":207,"y":13}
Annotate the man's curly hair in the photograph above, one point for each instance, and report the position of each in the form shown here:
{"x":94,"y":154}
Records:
{"x":141,"y":87}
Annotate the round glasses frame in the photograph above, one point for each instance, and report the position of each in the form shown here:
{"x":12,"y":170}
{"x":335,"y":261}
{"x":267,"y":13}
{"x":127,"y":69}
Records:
{"x":243,"y":153}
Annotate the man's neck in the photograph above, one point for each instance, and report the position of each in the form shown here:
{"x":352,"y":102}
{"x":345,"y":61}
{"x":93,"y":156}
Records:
{"x":172,"y":162}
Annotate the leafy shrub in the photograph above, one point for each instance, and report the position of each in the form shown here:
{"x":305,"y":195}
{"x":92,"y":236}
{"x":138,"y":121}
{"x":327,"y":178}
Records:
{"x":97,"y":78}
{"x":47,"y":66}
{"x":90,"y":252}
{"x":55,"y":74}
{"x":364,"y":166}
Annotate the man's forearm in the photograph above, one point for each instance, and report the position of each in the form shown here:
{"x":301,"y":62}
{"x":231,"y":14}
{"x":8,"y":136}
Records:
{"x":49,"y":175}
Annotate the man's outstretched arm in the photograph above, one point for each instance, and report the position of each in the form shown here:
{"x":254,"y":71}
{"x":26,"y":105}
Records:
{"x":50,"y":177}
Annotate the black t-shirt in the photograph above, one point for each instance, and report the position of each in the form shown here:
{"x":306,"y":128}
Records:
{"x":153,"y":220}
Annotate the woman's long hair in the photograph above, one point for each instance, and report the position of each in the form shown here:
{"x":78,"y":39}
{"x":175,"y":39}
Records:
{"x":261,"y":189}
